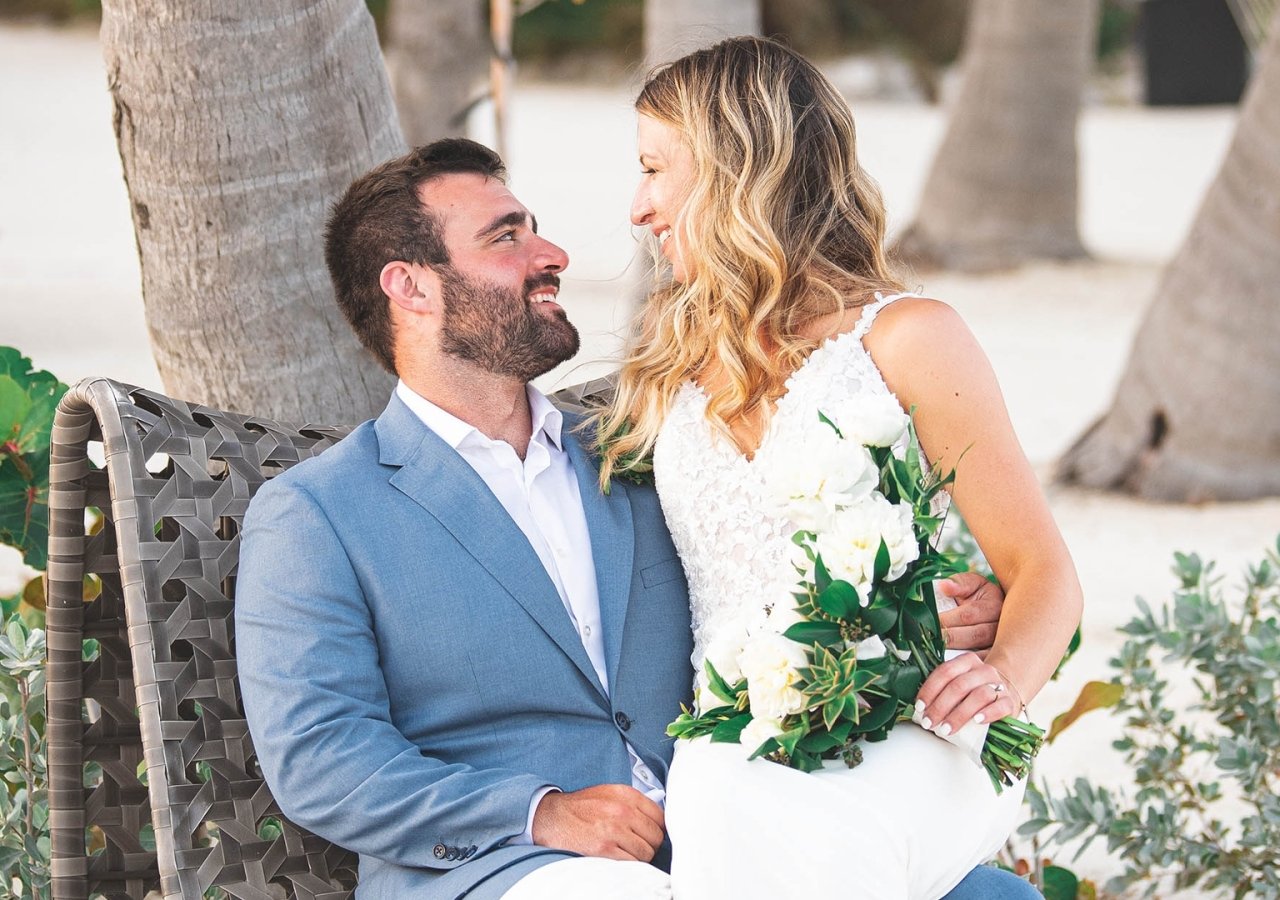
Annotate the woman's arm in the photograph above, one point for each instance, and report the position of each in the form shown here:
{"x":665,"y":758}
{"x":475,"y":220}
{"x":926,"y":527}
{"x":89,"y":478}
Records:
{"x":930,"y":360}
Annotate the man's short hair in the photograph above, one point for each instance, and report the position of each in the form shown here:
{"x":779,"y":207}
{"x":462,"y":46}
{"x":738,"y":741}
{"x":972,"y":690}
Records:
{"x":381,"y":219}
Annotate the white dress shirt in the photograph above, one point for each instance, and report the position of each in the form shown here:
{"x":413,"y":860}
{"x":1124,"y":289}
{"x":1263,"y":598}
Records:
{"x":540,"y":493}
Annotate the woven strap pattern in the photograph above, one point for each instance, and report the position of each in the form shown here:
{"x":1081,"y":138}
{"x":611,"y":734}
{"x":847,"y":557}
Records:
{"x":153,"y":780}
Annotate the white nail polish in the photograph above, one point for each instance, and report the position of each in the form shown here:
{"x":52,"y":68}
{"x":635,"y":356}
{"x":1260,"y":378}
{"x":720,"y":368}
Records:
{"x":919,"y":707}
{"x":926,"y":724}
{"x":943,"y":730}
{"x":979,"y":718}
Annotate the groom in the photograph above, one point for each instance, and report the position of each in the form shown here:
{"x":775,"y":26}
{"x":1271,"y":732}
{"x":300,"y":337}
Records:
{"x":458,"y":657}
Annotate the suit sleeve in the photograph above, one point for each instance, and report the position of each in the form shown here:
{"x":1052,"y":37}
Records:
{"x":317,"y":706}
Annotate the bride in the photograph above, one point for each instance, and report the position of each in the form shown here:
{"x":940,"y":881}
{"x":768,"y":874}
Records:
{"x":781,"y":302}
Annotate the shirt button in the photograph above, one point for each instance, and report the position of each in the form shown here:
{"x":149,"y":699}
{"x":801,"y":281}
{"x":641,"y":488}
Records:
{"x":586,"y":631}
{"x":623,"y":720}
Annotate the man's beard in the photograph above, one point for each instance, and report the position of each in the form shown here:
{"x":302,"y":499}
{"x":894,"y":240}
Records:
{"x":498,"y":329}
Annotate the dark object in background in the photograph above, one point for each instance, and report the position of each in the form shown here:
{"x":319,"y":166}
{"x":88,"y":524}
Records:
{"x":1194,"y":52}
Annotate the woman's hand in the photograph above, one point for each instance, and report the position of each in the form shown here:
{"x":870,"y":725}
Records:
{"x":963,"y":690}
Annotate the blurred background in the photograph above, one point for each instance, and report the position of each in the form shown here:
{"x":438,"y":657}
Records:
{"x":1088,"y":183}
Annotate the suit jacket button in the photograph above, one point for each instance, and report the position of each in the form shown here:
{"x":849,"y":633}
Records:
{"x":471,"y":851}
{"x":623,"y":720}
{"x":440,"y":851}
{"x":452,"y":854}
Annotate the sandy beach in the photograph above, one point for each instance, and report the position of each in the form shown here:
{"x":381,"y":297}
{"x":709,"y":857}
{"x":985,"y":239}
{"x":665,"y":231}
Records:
{"x":1057,"y":334}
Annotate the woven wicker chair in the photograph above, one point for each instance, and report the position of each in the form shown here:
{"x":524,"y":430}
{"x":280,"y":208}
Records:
{"x":148,"y":746}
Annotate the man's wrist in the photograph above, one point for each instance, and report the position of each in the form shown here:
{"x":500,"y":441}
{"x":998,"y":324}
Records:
{"x":527,"y":837}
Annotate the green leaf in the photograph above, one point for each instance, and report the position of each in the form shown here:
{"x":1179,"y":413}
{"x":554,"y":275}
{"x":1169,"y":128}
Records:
{"x":28,"y":400}
{"x":819,"y":742}
{"x":822,"y":417}
{"x":805,"y":762}
{"x":821,"y":577}
{"x":718,"y":685}
{"x":883,"y":562}
{"x":791,"y":737}
{"x":876,"y":717}
{"x":15,"y":405}
{"x":840,"y":601}
{"x":1094,"y":695}
{"x":826,"y":634}
{"x":730,"y":731}
{"x":24,"y":511}
{"x":904,"y":683}
{"x":1060,"y":883}
{"x":880,"y":619}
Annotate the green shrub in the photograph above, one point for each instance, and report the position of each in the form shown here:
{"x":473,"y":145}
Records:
{"x":28,"y":399}
{"x":1203,"y":810}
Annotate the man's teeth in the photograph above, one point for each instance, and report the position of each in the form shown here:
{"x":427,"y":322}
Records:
{"x":541,"y":298}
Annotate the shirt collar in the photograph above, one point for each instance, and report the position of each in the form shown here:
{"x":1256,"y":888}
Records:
{"x":453,"y":431}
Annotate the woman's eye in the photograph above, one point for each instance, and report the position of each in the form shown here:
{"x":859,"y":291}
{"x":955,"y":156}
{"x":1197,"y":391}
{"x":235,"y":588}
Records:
{"x":646,"y":171}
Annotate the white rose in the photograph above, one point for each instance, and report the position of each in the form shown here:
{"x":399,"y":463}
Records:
{"x":849,"y":546}
{"x":876,"y":421}
{"x":898,"y":531}
{"x":770,"y":663}
{"x":810,"y":479}
{"x":723,"y":653}
{"x":757,"y":732}
{"x":871,"y":648}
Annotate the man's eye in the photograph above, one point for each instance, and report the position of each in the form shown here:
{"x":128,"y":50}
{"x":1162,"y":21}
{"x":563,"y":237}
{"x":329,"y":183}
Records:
{"x":506,"y":236}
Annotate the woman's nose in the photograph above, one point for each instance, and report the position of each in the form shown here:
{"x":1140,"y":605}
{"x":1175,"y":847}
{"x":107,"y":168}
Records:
{"x":641,"y":207}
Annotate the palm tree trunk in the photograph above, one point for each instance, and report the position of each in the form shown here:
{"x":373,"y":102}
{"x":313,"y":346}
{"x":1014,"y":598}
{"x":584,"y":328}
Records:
{"x":1197,"y":412}
{"x":673,"y":28}
{"x":438,"y":54}
{"x":1003,"y":184}
{"x":238,"y":123}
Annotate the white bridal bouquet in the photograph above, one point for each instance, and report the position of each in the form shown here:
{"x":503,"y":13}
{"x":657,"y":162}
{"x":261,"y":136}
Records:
{"x":844,"y":661}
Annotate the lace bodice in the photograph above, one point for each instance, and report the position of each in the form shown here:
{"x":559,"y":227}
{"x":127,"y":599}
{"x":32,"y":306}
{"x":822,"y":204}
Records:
{"x":734,"y":546}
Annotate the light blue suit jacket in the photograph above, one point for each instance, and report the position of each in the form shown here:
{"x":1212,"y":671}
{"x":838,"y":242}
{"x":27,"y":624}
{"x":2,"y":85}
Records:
{"x":410,"y":675}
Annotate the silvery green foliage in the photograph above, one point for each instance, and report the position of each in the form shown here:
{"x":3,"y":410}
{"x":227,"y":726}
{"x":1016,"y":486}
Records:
{"x":1204,"y":811}
{"x":24,"y":796}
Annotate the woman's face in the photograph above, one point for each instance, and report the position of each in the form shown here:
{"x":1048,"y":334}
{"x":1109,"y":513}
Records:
{"x":666,"y":166}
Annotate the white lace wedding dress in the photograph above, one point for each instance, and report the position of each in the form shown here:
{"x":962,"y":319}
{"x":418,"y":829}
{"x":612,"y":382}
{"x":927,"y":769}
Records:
{"x":917,"y":815}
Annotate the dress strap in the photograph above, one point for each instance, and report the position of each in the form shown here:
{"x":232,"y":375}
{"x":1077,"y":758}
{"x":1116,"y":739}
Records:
{"x":871,"y":310}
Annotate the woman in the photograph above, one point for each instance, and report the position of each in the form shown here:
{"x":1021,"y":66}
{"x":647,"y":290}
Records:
{"x":781,"y":303}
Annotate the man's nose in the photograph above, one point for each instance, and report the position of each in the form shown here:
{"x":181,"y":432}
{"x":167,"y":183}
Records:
{"x":552,"y":258}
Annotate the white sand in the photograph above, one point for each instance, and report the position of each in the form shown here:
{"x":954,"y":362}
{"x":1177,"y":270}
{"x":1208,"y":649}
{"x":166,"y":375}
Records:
{"x":1058,"y":335}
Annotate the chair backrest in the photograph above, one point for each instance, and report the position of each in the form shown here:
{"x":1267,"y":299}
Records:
{"x":154,"y":784}
{"x":153,"y":779}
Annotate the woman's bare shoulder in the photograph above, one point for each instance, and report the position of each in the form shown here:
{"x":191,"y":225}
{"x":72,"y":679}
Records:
{"x":919,"y":339}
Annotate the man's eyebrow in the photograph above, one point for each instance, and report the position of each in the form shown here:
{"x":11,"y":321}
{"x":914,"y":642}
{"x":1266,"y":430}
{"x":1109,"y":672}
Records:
{"x":507,"y":220}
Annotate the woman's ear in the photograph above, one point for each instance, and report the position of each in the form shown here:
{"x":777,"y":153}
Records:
{"x":411,"y":287}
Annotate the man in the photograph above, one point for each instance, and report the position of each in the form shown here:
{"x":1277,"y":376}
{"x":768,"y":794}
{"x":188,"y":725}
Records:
{"x":458,"y":657}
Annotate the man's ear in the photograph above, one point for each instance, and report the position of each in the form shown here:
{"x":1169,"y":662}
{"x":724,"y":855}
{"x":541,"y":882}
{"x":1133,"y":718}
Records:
{"x":413,"y":288}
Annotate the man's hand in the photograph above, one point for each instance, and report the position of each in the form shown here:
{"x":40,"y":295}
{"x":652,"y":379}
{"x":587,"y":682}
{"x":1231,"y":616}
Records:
{"x":611,"y":820}
{"x":972,"y":624}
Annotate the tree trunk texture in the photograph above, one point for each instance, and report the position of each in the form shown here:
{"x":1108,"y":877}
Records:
{"x":438,"y":54}
{"x":1197,"y":412}
{"x":239,"y":122}
{"x":673,"y":28}
{"x":1003,"y":186}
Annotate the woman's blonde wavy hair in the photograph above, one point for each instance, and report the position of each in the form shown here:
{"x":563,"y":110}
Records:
{"x":781,"y":225}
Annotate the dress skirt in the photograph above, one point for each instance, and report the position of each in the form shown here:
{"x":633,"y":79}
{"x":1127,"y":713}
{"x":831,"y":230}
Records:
{"x":908,"y":823}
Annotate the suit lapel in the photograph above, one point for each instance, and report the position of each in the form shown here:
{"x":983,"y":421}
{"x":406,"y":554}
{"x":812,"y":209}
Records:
{"x":433,"y":475}
{"x":612,"y":545}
